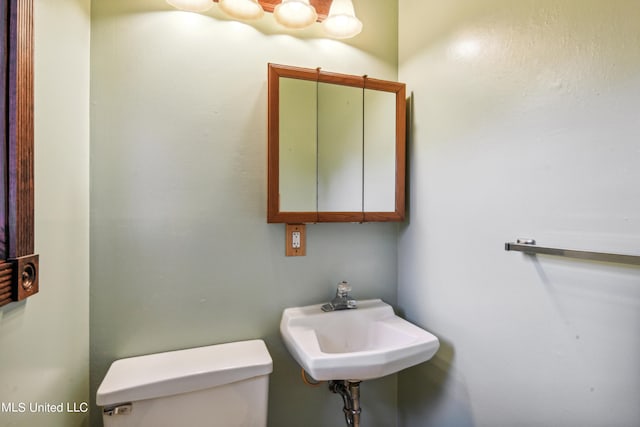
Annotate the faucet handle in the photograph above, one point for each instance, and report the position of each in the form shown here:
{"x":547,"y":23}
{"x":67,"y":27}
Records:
{"x":342,"y":300}
{"x":343,"y":289}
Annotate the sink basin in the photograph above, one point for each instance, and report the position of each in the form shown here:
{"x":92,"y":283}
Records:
{"x":361,"y":344}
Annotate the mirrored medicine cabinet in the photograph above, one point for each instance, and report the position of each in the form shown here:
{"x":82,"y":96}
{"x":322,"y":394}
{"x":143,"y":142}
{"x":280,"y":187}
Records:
{"x":336,"y":147}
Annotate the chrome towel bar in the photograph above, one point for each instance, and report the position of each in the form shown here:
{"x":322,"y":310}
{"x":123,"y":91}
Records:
{"x":529,"y":246}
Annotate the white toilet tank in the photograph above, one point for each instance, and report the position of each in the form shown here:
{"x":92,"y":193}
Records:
{"x":223,"y":385}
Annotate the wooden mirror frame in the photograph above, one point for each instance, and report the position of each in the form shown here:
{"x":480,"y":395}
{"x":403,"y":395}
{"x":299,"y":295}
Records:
{"x":19,"y":265}
{"x":274,"y":215}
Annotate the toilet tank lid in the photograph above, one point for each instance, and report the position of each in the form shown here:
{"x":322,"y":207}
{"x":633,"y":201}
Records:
{"x":182,"y":371}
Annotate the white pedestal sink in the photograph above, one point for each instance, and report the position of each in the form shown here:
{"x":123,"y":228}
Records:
{"x":356,"y":344}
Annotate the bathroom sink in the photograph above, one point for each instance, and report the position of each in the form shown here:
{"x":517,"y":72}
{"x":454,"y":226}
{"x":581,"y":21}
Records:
{"x":357,"y":344}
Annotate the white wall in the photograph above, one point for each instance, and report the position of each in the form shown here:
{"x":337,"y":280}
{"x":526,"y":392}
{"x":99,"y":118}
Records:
{"x":181,"y":254}
{"x":44,"y":340}
{"x":526,"y":118}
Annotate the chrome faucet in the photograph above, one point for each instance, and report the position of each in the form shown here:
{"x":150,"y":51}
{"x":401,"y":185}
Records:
{"x":342,"y":300}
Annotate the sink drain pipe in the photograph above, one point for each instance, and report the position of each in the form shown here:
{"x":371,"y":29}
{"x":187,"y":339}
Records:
{"x":350,"y":392}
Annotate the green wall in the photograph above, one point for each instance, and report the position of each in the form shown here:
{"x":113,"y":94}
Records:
{"x":524,"y":125}
{"x":44,"y":341}
{"x":181,"y":254}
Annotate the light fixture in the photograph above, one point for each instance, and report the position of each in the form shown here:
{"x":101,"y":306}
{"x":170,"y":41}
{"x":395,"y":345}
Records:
{"x":242,"y":9}
{"x":342,"y":22}
{"x":295,"y":14}
{"x":192,"y":5}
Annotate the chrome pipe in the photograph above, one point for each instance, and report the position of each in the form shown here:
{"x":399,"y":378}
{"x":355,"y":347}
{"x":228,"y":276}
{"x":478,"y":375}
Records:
{"x":350,"y":393}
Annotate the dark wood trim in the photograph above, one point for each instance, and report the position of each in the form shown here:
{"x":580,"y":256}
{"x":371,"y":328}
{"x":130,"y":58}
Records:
{"x":273,"y":144}
{"x":383,"y":217}
{"x":21,"y":200}
{"x":340,"y":216}
{"x":25,"y":277}
{"x":293,"y":217}
{"x":20,"y":206}
{"x":6,"y":283}
{"x":274,"y":73}
{"x":4,"y":118}
{"x":399,"y":89}
{"x":401,"y":152}
{"x":273,"y":197}
{"x":340,"y":79}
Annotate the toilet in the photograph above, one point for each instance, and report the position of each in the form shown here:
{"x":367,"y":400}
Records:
{"x":224,"y":385}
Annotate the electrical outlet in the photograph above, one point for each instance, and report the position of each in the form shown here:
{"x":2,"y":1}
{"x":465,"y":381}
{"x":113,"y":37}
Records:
{"x":295,"y":240}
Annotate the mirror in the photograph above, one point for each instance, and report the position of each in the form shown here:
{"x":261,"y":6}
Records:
{"x":339,"y":148}
{"x":297,"y":152}
{"x":336,"y":147}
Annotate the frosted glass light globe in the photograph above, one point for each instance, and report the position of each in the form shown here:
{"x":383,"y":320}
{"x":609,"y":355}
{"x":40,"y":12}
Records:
{"x":242,"y":9}
{"x":342,"y":22}
{"x":295,"y":14}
